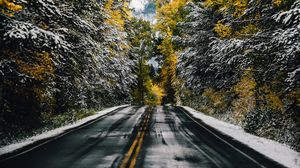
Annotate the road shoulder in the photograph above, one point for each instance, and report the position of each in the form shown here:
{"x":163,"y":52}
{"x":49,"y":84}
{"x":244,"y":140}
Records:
{"x":272,"y":149}
{"x":38,"y":140}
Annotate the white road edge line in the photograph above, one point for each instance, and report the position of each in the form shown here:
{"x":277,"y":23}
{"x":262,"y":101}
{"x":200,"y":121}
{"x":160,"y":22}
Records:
{"x":200,"y":150}
{"x":63,"y":134}
{"x":249,"y":157}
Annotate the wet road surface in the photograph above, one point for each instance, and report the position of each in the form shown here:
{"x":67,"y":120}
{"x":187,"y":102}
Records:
{"x":142,"y":137}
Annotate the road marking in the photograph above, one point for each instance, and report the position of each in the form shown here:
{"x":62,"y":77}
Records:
{"x":137,"y":151}
{"x":199,"y":149}
{"x":130,"y":151}
{"x":66,"y":132}
{"x":136,"y":146}
{"x":241,"y":152}
{"x":132,"y":147}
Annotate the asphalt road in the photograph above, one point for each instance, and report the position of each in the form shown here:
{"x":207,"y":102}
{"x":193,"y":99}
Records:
{"x":142,"y":137}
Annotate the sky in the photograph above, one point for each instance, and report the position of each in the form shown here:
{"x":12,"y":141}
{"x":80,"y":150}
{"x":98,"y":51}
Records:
{"x":144,"y":9}
{"x":138,"y":5}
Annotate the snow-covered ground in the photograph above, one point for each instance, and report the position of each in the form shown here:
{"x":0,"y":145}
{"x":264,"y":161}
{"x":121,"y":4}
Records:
{"x":272,"y":149}
{"x":56,"y":132}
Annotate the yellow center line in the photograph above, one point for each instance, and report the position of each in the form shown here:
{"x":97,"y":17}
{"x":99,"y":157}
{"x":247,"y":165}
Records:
{"x":130,"y":151}
{"x":137,"y":151}
{"x":133,"y":161}
{"x":137,"y":144}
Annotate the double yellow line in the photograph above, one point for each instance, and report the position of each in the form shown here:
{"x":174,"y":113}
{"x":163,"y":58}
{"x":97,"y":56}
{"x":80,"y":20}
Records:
{"x":136,"y":146}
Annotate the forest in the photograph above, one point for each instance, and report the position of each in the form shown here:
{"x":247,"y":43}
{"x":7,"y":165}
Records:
{"x":236,"y":60}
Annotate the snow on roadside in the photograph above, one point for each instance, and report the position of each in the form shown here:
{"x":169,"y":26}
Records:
{"x":56,"y":132}
{"x":272,"y":149}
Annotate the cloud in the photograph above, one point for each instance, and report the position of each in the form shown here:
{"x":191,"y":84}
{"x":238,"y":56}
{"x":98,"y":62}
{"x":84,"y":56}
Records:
{"x":144,"y":9}
{"x":138,"y":5}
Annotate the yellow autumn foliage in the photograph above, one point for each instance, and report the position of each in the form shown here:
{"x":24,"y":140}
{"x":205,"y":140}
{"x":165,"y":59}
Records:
{"x":117,"y":16}
{"x":169,"y":14}
{"x":169,"y":67}
{"x":224,"y":6}
{"x":39,"y":93}
{"x":245,"y":90}
{"x":217,"y":98}
{"x":273,"y":101}
{"x":248,"y":30}
{"x":126,"y":10}
{"x":234,"y":8}
{"x":295,"y":95}
{"x":224,"y":31}
{"x":167,"y":50}
{"x":41,"y":69}
{"x":240,"y":7}
{"x":8,"y":7}
{"x":166,"y":47}
{"x":155,"y":95}
{"x":43,"y":25}
{"x":278,"y":2}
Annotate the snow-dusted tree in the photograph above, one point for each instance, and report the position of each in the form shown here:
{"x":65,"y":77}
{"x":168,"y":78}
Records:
{"x":58,"y":56}
{"x":242,"y":62}
{"x":195,"y":36}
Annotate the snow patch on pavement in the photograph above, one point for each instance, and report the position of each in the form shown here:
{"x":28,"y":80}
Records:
{"x":272,"y":149}
{"x":56,"y":132}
